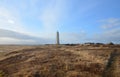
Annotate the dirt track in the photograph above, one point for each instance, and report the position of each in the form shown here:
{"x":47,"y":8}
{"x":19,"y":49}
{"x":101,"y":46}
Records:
{"x":113,"y":66}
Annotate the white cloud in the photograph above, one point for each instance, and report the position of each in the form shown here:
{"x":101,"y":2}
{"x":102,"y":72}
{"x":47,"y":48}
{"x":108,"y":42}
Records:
{"x":8,"y":40}
{"x":72,"y":37}
{"x":8,"y":20}
{"x":12,"y":37}
{"x":11,"y":22}
{"x":110,"y":23}
{"x":52,"y":14}
{"x":107,"y":36}
{"x":110,"y":31}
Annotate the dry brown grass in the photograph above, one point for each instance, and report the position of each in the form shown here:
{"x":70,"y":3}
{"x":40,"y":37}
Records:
{"x":55,"y":61}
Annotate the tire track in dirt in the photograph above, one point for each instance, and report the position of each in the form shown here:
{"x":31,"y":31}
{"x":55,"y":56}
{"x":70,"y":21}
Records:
{"x":113,"y":66}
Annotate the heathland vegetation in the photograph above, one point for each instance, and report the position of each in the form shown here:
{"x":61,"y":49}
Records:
{"x":60,"y":61}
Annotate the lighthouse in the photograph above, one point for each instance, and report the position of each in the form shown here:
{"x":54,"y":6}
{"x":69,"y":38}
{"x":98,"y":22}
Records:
{"x":57,"y":38}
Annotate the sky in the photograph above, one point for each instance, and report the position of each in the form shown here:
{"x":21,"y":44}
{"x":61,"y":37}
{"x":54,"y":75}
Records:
{"x":78,"y":21}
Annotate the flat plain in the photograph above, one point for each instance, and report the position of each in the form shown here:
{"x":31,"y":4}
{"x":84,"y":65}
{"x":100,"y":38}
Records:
{"x":60,"y":61}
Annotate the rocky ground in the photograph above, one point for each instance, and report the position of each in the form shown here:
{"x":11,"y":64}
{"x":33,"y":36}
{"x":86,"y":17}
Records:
{"x":60,"y":61}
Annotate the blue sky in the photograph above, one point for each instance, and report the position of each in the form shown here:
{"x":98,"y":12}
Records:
{"x":78,"y":21}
